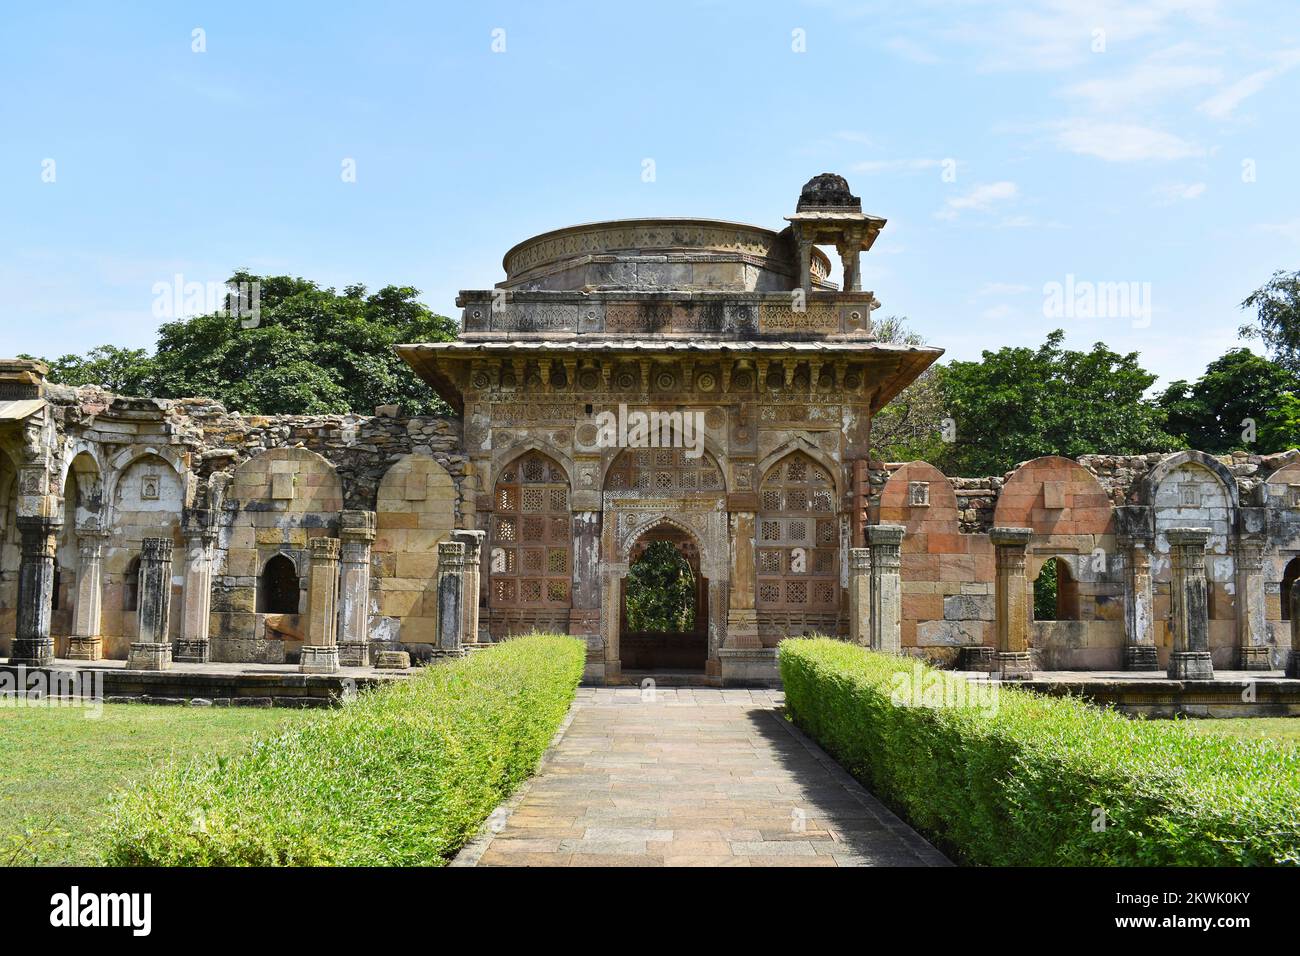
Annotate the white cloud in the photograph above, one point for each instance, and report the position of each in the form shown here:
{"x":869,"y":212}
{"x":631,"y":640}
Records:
{"x":1001,"y":288}
{"x":1224,"y":103}
{"x":853,"y":136}
{"x":1287,"y":230}
{"x":1170,"y":193}
{"x":873,"y":166}
{"x":980,"y":199}
{"x":1141,"y":86}
{"x":1059,"y":34}
{"x":1121,"y":142}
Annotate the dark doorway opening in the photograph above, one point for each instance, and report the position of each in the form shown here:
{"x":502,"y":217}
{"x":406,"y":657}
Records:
{"x":665,"y":610}
{"x":277,"y":588}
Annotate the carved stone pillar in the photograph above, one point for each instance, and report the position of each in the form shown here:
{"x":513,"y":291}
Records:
{"x":1189,"y":605}
{"x":152,"y":649}
{"x":610,"y":618}
{"x":742,"y":620}
{"x":805,"y":264}
{"x":320,"y":651}
{"x":356,"y":534}
{"x":1252,"y":618}
{"x":1012,"y":602}
{"x":1293,"y":655}
{"x":196,"y":597}
{"x":884,"y":541}
{"x":860,"y":596}
{"x":33,"y":645}
{"x":451,"y":586}
{"x":85,"y":643}
{"x":851,"y":260}
{"x":473,"y":542}
{"x":584,"y":616}
{"x":1139,"y":632}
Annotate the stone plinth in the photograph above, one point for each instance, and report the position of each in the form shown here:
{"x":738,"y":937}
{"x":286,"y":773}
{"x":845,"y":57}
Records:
{"x":317,"y":659}
{"x":149,"y":656}
{"x":393,"y":660}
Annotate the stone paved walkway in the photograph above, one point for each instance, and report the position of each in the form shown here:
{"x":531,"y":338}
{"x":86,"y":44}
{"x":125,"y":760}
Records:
{"x":697,"y":776}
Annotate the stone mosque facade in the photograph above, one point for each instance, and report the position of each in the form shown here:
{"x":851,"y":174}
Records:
{"x":692,"y":381}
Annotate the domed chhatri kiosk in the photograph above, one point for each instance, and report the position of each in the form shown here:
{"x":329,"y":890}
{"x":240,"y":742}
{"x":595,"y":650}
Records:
{"x":683,"y":380}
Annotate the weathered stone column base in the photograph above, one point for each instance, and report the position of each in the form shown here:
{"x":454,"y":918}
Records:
{"x":149,"y":656}
{"x":1256,"y":659}
{"x":393,"y":661}
{"x":1141,"y":657}
{"x":976,"y":657}
{"x":32,"y":651}
{"x":742,"y":628}
{"x":1293,"y":664}
{"x":1190,"y":665}
{"x":354,"y":654}
{"x":85,"y":648}
{"x":1014,"y":665}
{"x":319,"y":660}
{"x":191,"y":652}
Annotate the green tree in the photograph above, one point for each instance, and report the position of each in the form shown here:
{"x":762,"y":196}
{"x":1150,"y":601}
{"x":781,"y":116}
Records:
{"x":1277,"y":318}
{"x":1020,"y":403}
{"x":908,"y":428}
{"x":1239,"y":403}
{"x":124,"y":371}
{"x":661,"y":591}
{"x":307,"y":350}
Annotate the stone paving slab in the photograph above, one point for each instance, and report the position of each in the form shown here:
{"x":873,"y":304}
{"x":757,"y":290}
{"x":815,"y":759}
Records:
{"x":691,"y":776}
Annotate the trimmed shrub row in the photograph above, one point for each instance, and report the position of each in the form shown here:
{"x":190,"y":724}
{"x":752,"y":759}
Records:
{"x":403,"y":775}
{"x":1041,"y":780}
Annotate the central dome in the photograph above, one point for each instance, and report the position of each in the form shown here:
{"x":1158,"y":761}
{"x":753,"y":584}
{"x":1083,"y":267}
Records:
{"x":659,"y":255}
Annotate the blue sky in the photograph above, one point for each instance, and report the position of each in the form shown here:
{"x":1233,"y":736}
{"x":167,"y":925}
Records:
{"x":1124,"y":155}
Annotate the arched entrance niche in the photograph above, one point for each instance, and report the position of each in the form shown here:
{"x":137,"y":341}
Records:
{"x":681,"y":642}
{"x":657,"y":494}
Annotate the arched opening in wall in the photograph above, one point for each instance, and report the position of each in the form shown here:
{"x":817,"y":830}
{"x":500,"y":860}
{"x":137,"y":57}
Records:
{"x":278,"y":587}
{"x":1056,"y":592}
{"x":664,"y":615}
{"x":1289,"y":576}
{"x":530,"y":563}
{"x":131,"y":586}
{"x":797,"y":542}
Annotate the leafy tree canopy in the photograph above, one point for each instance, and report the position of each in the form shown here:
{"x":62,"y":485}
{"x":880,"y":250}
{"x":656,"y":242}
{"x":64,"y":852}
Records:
{"x":1277,"y":318}
{"x":310,"y":351}
{"x":1021,"y":403}
{"x":1243,"y":401}
{"x":661,"y":591}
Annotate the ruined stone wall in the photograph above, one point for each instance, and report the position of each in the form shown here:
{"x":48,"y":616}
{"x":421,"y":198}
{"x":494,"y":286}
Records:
{"x":134,"y":468}
{"x":1251,"y":504}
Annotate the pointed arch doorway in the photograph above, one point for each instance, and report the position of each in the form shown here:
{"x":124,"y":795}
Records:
{"x":664,"y":603}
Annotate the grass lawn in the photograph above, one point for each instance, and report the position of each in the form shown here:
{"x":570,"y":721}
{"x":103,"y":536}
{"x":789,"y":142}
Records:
{"x":59,"y":769}
{"x":1283,"y":729}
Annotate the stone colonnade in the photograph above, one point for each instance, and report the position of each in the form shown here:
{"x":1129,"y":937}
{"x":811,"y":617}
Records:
{"x":875,"y":599}
{"x":338,"y":596}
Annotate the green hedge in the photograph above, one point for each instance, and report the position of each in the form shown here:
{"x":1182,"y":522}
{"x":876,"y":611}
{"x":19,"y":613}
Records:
{"x":1027,"y":782}
{"x":403,"y":775}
